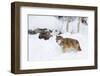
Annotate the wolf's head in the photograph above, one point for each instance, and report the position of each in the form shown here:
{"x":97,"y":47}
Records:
{"x":59,"y":39}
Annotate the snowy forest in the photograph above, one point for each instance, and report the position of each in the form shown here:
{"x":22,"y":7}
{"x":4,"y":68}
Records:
{"x":43,"y":32}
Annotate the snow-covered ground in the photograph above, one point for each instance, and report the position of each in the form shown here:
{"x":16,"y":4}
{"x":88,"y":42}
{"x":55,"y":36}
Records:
{"x":41,"y":50}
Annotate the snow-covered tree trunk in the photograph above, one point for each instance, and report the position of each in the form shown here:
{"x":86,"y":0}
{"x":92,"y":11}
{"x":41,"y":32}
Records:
{"x":67,"y":26}
{"x":78,"y":25}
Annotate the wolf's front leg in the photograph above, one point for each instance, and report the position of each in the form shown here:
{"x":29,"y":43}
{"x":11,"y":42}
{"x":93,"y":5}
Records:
{"x":64,"y":49}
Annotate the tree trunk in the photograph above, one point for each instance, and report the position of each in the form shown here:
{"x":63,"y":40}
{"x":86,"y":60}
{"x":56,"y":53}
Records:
{"x":78,"y":25}
{"x":67,"y":26}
